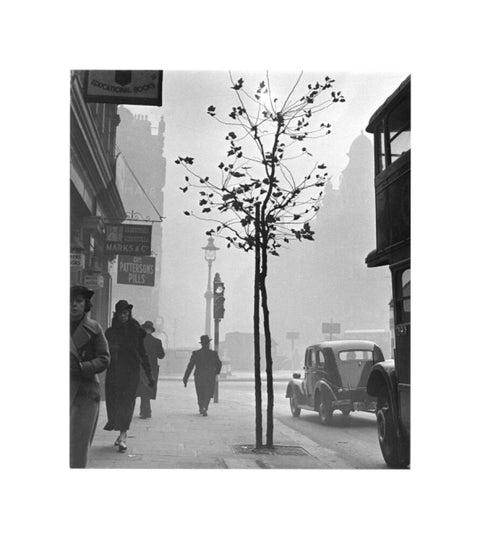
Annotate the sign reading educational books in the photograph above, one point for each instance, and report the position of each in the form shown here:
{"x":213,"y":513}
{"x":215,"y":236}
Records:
{"x":136,"y":270}
{"x":127,"y":87}
{"x":133,"y":240}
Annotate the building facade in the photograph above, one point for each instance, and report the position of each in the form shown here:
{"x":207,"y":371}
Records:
{"x":94,"y":197}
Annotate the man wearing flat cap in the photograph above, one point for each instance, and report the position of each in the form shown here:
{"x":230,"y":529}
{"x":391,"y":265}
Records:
{"x":207,"y":366}
{"x":89,"y":355}
{"x":154,"y":349}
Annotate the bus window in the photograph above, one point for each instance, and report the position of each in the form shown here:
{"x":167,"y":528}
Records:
{"x":403,"y":299}
{"x":399,"y":130}
{"x":392,"y":136}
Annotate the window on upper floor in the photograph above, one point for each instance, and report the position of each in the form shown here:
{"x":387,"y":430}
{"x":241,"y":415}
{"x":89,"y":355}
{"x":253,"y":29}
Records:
{"x":392,"y":136}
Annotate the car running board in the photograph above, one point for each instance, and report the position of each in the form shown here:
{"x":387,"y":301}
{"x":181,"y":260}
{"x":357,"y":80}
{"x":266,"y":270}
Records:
{"x":306,"y":407}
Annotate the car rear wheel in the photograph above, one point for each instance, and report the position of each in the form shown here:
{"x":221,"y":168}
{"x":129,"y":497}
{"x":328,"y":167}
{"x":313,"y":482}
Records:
{"x":294,"y":406}
{"x":387,"y":437}
{"x":325,"y":409}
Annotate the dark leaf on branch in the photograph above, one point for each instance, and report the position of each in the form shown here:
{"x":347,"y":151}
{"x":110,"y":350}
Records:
{"x":211,"y":110}
{"x":186,"y":212}
{"x":239,"y":85}
{"x":237,"y":174}
{"x":206,"y":210}
{"x":202,"y":202}
{"x":184,"y":189}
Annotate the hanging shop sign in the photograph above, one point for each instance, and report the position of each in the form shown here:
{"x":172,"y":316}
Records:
{"x":136,"y":270}
{"x":77,"y":261}
{"x":132,"y":240}
{"x":93,"y":280}
{"x":124,"y":87}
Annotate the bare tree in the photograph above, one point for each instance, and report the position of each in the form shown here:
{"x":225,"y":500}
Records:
{"x":257,"y":203}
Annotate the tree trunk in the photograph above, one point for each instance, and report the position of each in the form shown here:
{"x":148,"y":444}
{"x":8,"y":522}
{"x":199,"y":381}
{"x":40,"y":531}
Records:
{"x":268,"y":346}
{"x":256,"y":336}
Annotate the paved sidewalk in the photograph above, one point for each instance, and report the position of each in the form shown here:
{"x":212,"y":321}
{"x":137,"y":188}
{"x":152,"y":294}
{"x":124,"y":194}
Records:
{"x":178,"y":437}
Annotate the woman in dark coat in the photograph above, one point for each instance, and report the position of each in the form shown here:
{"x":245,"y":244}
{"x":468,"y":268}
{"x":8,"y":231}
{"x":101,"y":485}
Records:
{"x":125,"y":339}
{"x":89,"y":355}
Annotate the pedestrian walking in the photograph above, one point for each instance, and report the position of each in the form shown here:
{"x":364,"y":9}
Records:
{"x":125,"y":339}
{"x":207,"y":366}
{"x":154,"y":349}
{"x":89,"y":355}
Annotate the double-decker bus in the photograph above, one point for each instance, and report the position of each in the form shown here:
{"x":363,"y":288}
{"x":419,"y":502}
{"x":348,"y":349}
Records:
{"x":389,"y":380}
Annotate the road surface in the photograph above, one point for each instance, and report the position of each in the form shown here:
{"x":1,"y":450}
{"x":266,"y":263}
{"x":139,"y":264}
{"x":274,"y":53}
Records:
{"x":351,"y":440}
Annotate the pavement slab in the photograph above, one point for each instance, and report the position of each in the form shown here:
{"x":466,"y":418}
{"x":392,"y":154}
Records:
{"x":178,"y":437}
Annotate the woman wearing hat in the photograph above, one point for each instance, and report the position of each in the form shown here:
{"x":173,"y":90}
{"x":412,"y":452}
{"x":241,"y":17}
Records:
{"x":154,"y":349}
{"x":125,"y":338}
{"x":89,"y":355}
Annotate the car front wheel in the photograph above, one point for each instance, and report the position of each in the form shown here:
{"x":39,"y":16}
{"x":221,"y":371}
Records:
{"x":294,"y":407}
{"x":325,"y":409}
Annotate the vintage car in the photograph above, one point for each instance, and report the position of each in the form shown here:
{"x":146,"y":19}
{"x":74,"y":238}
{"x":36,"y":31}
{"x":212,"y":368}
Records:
{"x":335,"y":378}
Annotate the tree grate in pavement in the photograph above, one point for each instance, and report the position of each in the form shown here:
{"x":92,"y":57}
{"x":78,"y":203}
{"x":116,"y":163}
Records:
{"x":283,"y":450}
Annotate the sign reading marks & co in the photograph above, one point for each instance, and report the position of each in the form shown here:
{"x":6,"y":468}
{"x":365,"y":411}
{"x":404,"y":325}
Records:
{"x":133,"y":240}
{"x":136,"y":270}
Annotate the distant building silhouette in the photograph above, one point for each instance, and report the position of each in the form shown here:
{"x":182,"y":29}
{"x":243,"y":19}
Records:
{"x":327,"y":279}
{"x":345,"y":234}
{"x":142,"y":149}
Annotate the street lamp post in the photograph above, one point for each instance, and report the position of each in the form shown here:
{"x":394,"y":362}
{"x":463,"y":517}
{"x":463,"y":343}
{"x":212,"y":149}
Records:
{"x":210,"y":256}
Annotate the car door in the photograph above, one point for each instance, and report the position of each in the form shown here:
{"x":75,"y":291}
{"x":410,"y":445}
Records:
{"x":312,"y":373}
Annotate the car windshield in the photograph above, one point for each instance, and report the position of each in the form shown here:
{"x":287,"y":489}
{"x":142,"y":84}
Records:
{"x":355,"y":355}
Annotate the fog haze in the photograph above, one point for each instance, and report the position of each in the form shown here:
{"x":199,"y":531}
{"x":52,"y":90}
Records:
{"x":301,"y":283}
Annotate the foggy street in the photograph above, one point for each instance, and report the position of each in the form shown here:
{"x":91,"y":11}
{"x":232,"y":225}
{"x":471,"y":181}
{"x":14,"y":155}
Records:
{"x":178,"y":437}
{"x":233,"y":213}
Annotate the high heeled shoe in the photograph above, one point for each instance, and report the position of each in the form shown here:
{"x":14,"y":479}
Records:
{"x":122,"y":446}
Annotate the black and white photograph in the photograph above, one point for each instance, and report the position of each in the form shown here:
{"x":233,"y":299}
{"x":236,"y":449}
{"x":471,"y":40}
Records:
{"x":248,"y":233}
{"x":213,"y":208}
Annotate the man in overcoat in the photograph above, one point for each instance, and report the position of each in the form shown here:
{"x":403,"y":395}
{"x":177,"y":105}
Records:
{"x":207,"y":366}
{"x":89,"y":355}
{"x":154,"y":349}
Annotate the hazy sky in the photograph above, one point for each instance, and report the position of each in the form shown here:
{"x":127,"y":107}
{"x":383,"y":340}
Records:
{"x":190,"y":131}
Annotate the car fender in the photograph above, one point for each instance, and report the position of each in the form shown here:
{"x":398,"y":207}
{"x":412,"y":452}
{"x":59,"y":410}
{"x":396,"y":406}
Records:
{"x":322,"y":385}
{"x":294,"y":387}
{"x":382,"y":374}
